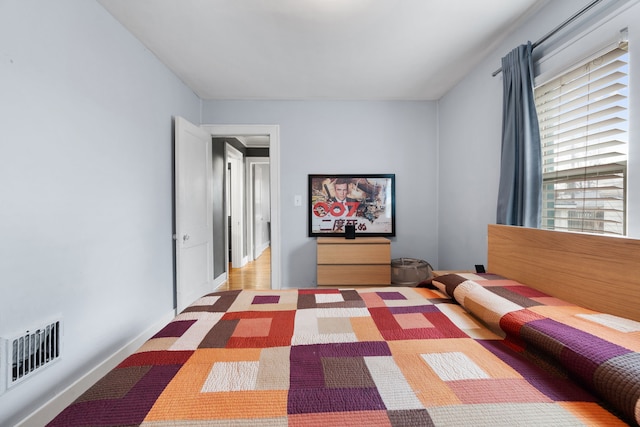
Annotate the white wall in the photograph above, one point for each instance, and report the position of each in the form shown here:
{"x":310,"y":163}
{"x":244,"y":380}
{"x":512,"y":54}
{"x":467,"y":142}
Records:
{"x":470,"y":121}
{"x":85,"y":185}
{"x":347,"y":137}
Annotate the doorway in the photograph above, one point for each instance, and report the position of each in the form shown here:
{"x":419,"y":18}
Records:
{"x":247,"y":211}
{"x":273,"y":134}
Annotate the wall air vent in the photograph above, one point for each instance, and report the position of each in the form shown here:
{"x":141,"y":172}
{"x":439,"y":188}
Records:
{"x":31,"y":351}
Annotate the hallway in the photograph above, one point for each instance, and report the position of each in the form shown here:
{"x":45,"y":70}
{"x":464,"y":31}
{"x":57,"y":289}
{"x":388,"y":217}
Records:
{"x":254,"y":275}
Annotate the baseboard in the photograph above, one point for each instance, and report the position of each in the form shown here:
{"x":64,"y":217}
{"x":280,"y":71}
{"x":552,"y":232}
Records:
{"x":54,"y":406}
{"x":262,"y":248}
{"x":219,"y":281}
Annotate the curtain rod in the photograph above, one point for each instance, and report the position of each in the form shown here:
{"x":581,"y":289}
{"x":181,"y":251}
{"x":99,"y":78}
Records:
{"x":556,"y":29}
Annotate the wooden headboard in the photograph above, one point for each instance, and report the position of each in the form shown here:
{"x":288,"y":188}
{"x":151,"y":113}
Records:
{"x":598,"y":272}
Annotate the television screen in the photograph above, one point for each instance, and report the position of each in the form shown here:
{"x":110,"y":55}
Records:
{"x":366,"y":202}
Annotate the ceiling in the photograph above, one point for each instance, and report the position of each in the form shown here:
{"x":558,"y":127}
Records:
{"x":320,"y":49}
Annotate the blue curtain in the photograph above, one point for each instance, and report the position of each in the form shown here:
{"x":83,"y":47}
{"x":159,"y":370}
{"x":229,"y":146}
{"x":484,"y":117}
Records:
{"x":520,"y":191}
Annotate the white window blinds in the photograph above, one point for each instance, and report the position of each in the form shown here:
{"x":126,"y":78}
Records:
{"x":583,"y":119}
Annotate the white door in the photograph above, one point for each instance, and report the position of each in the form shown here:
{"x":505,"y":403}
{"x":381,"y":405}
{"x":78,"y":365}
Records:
{"x":257,"y":210}
{"x":237,"y":195}
{"x":261,"y":207}
{"x":194,"y":216}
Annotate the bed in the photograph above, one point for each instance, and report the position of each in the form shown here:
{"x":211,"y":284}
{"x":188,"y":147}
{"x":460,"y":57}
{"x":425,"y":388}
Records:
{"x":503,"y":348}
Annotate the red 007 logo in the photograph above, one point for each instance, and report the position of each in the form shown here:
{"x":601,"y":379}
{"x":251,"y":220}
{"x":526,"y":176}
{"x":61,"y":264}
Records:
{"x":335,"y":209}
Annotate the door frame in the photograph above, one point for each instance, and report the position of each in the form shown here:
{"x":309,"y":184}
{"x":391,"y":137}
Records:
{"x":251,"y":195}
{"x":236,"y":207}
{"x":273,"y":132}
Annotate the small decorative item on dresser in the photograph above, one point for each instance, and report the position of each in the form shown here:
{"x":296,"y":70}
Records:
{"x":349,"y":231}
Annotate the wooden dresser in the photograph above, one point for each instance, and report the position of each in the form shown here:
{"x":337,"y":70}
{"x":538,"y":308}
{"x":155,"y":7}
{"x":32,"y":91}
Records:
{"x":364,"y":261}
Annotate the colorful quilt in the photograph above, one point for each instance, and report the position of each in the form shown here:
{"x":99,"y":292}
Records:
{"x":352,"y":357}
{"x":600,"y":351}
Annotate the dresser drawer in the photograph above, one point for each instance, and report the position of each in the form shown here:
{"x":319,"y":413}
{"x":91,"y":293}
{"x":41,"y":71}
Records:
{"x":354,"y":254}
{"x":352,"y":275}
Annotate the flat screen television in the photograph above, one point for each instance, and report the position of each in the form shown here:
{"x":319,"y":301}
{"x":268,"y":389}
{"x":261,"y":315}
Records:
{"x":366,"y":202}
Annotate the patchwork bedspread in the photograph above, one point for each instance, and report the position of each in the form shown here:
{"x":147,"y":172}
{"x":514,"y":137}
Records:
{"x":354,"y":357}
{"x":598,"y":350}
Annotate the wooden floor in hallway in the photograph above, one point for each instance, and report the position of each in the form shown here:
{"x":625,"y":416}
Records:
{"x":254,"y":275}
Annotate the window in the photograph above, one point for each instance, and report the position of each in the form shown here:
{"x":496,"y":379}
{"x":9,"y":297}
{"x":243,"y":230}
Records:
{"x":583,"y":117}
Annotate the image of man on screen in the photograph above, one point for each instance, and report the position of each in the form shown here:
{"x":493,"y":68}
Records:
{"x":341,"y":205}
{"x":341,"y":189}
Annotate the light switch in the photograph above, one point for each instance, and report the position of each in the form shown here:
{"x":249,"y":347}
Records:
{"x":297,"y":200}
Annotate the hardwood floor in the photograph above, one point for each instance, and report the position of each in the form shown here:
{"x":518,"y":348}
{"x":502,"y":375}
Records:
{"x":254,"y":275}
